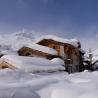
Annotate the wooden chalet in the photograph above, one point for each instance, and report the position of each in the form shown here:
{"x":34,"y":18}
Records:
{"x":68,"y":50}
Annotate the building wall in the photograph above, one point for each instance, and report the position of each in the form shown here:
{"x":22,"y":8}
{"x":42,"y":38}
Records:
{"x":72,"y":55}
{"x":71,"y":52}
{"x":25,"y":51}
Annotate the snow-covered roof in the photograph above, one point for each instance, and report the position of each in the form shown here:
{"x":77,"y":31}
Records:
{"x":73,"y":42}
{"x":32,"y":64}
{"x":42,"y":48}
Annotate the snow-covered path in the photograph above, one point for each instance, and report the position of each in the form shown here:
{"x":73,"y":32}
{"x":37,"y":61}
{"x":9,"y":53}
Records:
{"x":17,"y":84}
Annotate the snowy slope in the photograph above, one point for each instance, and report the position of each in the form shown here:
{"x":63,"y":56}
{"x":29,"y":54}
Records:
{"x":16,"y":84}
{"x":15,"y":40}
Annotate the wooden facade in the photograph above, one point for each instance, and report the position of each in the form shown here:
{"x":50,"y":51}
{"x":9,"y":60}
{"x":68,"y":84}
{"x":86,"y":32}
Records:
{"x":69,"y":53}
{"x":26,"y":51}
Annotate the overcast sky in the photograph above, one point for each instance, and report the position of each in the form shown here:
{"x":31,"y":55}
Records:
{"x":66,"y":18}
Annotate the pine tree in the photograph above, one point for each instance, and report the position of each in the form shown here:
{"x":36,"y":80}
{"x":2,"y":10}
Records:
{"x":90,"y":58}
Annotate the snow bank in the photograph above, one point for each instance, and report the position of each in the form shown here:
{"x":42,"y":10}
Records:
{"x":64,"y":93}
{"x":19,"y":84}
{"x":42,"y":48}
{"x":90,"y":95}
{"x":8,"y":76}
{"x":32,"y":64}
{"x":79,"y":85}
{"x":10,"y":81}
{"x":58,"y":61}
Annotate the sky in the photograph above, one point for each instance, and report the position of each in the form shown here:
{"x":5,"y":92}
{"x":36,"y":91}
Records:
{"x":65,"y":18}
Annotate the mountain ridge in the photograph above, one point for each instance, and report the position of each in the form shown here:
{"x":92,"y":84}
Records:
{"x":15,"y":40}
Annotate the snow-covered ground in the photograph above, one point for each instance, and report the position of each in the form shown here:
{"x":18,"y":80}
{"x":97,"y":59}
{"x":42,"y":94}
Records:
{"x":18,"y":84}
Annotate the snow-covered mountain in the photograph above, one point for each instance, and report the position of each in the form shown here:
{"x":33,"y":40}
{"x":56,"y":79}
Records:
{"x":15,"y":40}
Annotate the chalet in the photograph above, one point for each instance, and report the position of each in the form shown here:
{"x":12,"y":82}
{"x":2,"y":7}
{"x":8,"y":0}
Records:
{"x":51,"y":46}
{"x":68,"y":50}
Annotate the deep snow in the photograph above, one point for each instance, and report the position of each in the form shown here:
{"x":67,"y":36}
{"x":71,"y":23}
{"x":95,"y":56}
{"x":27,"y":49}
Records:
{"x":32,"y":64}
{"x":18,"y":84}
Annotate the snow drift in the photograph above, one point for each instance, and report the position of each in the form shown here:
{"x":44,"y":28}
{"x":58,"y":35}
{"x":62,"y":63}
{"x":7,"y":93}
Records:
{"x":32,"y":64}
{"x":18,"y":84}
